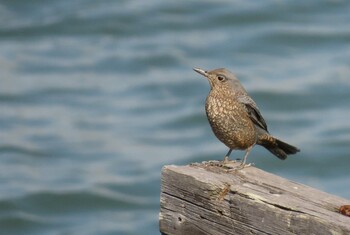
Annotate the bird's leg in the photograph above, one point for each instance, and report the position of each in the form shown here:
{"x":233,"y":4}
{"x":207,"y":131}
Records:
{"x":242,"y":165}
{"x":224,"y":162}
{"x":226,"y":159}
{"x":246,"y":156}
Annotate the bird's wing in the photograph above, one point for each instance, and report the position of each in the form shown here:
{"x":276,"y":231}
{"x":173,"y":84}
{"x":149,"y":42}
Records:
{"x":253,"y":111}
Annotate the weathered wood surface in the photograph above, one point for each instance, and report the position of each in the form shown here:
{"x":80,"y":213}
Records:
{"x":205,"y":199}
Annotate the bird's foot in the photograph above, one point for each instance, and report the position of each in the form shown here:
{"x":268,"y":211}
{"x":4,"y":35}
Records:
{"x":217,"y":163}
{"x":226,"y":160}
{"x":240,"y":167}
{"x":226,"y":163}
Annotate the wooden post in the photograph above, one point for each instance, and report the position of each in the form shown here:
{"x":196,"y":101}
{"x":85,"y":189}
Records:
{"x":206,"y":199}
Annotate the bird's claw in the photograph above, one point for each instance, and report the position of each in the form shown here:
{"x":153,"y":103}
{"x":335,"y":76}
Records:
{"x":240,"y":167}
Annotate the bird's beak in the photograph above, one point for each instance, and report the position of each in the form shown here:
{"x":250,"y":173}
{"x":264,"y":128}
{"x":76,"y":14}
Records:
{"x":201,"y":71}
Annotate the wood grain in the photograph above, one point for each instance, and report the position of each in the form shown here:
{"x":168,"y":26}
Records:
{"x":206,"y":199}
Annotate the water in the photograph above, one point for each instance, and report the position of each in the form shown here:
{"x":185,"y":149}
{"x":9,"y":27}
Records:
{"x":96,"y":96}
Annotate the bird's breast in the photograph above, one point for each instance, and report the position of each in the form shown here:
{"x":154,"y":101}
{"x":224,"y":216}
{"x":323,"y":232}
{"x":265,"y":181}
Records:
{"x":230,"y":122}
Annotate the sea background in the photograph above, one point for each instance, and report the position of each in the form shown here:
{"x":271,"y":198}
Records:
{"x":97,"y":95}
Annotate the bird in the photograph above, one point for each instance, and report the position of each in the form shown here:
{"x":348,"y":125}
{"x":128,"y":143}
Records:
{"x":235,"y":118}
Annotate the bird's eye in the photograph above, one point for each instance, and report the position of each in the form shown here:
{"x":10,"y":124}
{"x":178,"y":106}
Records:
{"x":221,"y":78}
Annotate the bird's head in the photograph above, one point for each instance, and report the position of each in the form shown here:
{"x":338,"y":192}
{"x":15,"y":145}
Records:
{"x":221,"y":79}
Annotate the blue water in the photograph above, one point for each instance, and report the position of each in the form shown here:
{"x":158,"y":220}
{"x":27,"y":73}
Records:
{"x":97,"y":95}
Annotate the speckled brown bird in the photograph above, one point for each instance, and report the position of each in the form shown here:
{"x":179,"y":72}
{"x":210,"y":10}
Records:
{"x":235,"y":118}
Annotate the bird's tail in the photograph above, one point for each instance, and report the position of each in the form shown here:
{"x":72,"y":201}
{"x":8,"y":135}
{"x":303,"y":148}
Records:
{"x":277,"y":147}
